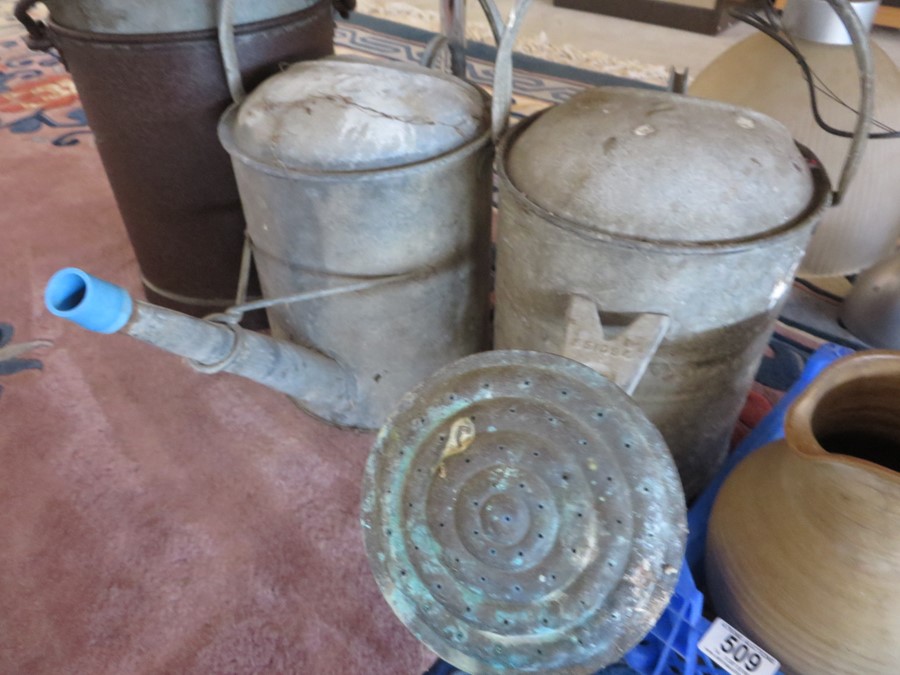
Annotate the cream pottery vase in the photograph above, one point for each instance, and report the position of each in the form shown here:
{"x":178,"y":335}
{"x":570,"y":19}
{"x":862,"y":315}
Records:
{"x":803,"y":550}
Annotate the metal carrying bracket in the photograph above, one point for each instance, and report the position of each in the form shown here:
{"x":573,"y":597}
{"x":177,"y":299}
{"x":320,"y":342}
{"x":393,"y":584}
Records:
{"x":228,"y":50}
{"x":624,"y":358}
{"x":501,"y":100}
{"x":38,"y":38}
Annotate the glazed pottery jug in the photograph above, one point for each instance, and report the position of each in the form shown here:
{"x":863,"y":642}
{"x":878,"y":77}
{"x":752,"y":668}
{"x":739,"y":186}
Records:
{"x":803,"y":550}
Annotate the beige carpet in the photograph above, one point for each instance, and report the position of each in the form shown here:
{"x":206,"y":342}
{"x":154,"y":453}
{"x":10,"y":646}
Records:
{"x":535,"y":42}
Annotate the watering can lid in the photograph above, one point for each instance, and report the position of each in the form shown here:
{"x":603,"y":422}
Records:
{"x":343,"y":114}
{"x":661,"y":166}
{"x":521,"y":512}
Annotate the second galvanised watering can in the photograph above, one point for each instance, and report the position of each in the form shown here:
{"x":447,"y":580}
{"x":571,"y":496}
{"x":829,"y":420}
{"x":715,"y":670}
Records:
{"x":367,"y":193}
{"x":622,"y":202}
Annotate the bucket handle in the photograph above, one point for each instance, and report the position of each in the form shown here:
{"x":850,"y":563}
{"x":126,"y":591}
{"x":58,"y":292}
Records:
{"x":453,"y":29}
{"x":866,"y":70}
{"x":624,"y":358}
{"x":38,"y":38}
{"x":452,"y":37}
{"x":434,"y":47}
{"x":501,"y":100}
{"x":228,"y":50}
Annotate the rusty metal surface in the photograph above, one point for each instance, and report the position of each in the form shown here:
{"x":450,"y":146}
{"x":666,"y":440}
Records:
{"x":521,"y":514}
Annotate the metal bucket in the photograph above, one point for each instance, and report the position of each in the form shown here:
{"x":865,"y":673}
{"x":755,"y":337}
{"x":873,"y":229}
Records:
{"x":373,"y":178}
{"x":647,"y":202}
{"x":151,"y":80}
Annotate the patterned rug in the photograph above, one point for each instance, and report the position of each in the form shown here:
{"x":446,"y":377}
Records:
{"x":539,"y":46}
{"x":38,"y":99}
{"x":156,"y":520}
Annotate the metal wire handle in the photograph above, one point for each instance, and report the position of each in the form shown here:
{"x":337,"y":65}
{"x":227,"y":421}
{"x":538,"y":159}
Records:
{"x":234,"y":314}
{"x":861,"y":48}
{"x":228,"y":50}
{"x":435,"y":46}
{"x":501,"y":101}
{"x":453,"y":26}
{"x":38,"y":38}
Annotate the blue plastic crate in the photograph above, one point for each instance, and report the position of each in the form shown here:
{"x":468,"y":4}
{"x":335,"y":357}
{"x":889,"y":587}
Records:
{"x":770,"y":428}
{"x":670,"y":648}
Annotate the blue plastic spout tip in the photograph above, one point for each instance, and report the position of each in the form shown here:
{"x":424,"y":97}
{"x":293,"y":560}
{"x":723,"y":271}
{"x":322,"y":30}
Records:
{"x":90,"y":302}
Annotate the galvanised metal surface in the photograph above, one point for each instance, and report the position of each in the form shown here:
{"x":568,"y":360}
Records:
{"x":427,"y":218}
{"x":721,"y":287}
{"x":872,"y":309}
{"x":161,"y":16}
{"x":151,"y":80}
{"x":521,"y":514}
{"x":344,"y":114}
{"x":213,"y":347}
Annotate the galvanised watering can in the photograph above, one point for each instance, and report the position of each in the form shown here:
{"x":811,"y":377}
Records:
{"x":367,"y":193}
{"x":636,"y":201}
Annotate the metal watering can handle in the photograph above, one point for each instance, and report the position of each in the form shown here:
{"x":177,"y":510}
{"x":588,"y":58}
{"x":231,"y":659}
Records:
{"x":501,"y":101}
{"x":866,"y":69}
{"x":228,"y":50}
{"x":38,"y":38}
{"x":453,"y":38}
{"x":623,"y":359}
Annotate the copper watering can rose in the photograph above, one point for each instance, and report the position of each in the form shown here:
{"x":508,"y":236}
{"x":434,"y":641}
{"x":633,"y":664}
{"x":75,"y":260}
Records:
{"x":521,"y":514}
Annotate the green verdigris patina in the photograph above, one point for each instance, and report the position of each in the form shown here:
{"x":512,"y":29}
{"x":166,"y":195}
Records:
{"x":522,"y":515}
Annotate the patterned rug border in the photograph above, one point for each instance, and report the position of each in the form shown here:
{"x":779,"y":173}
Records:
{"x":487,"y":53}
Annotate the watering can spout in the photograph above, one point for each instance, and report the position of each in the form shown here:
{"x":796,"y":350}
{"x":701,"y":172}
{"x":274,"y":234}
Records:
{"x":316,"y":381}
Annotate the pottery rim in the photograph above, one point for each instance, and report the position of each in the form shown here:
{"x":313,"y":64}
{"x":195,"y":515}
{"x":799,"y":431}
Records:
{"x":873,"y":366}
